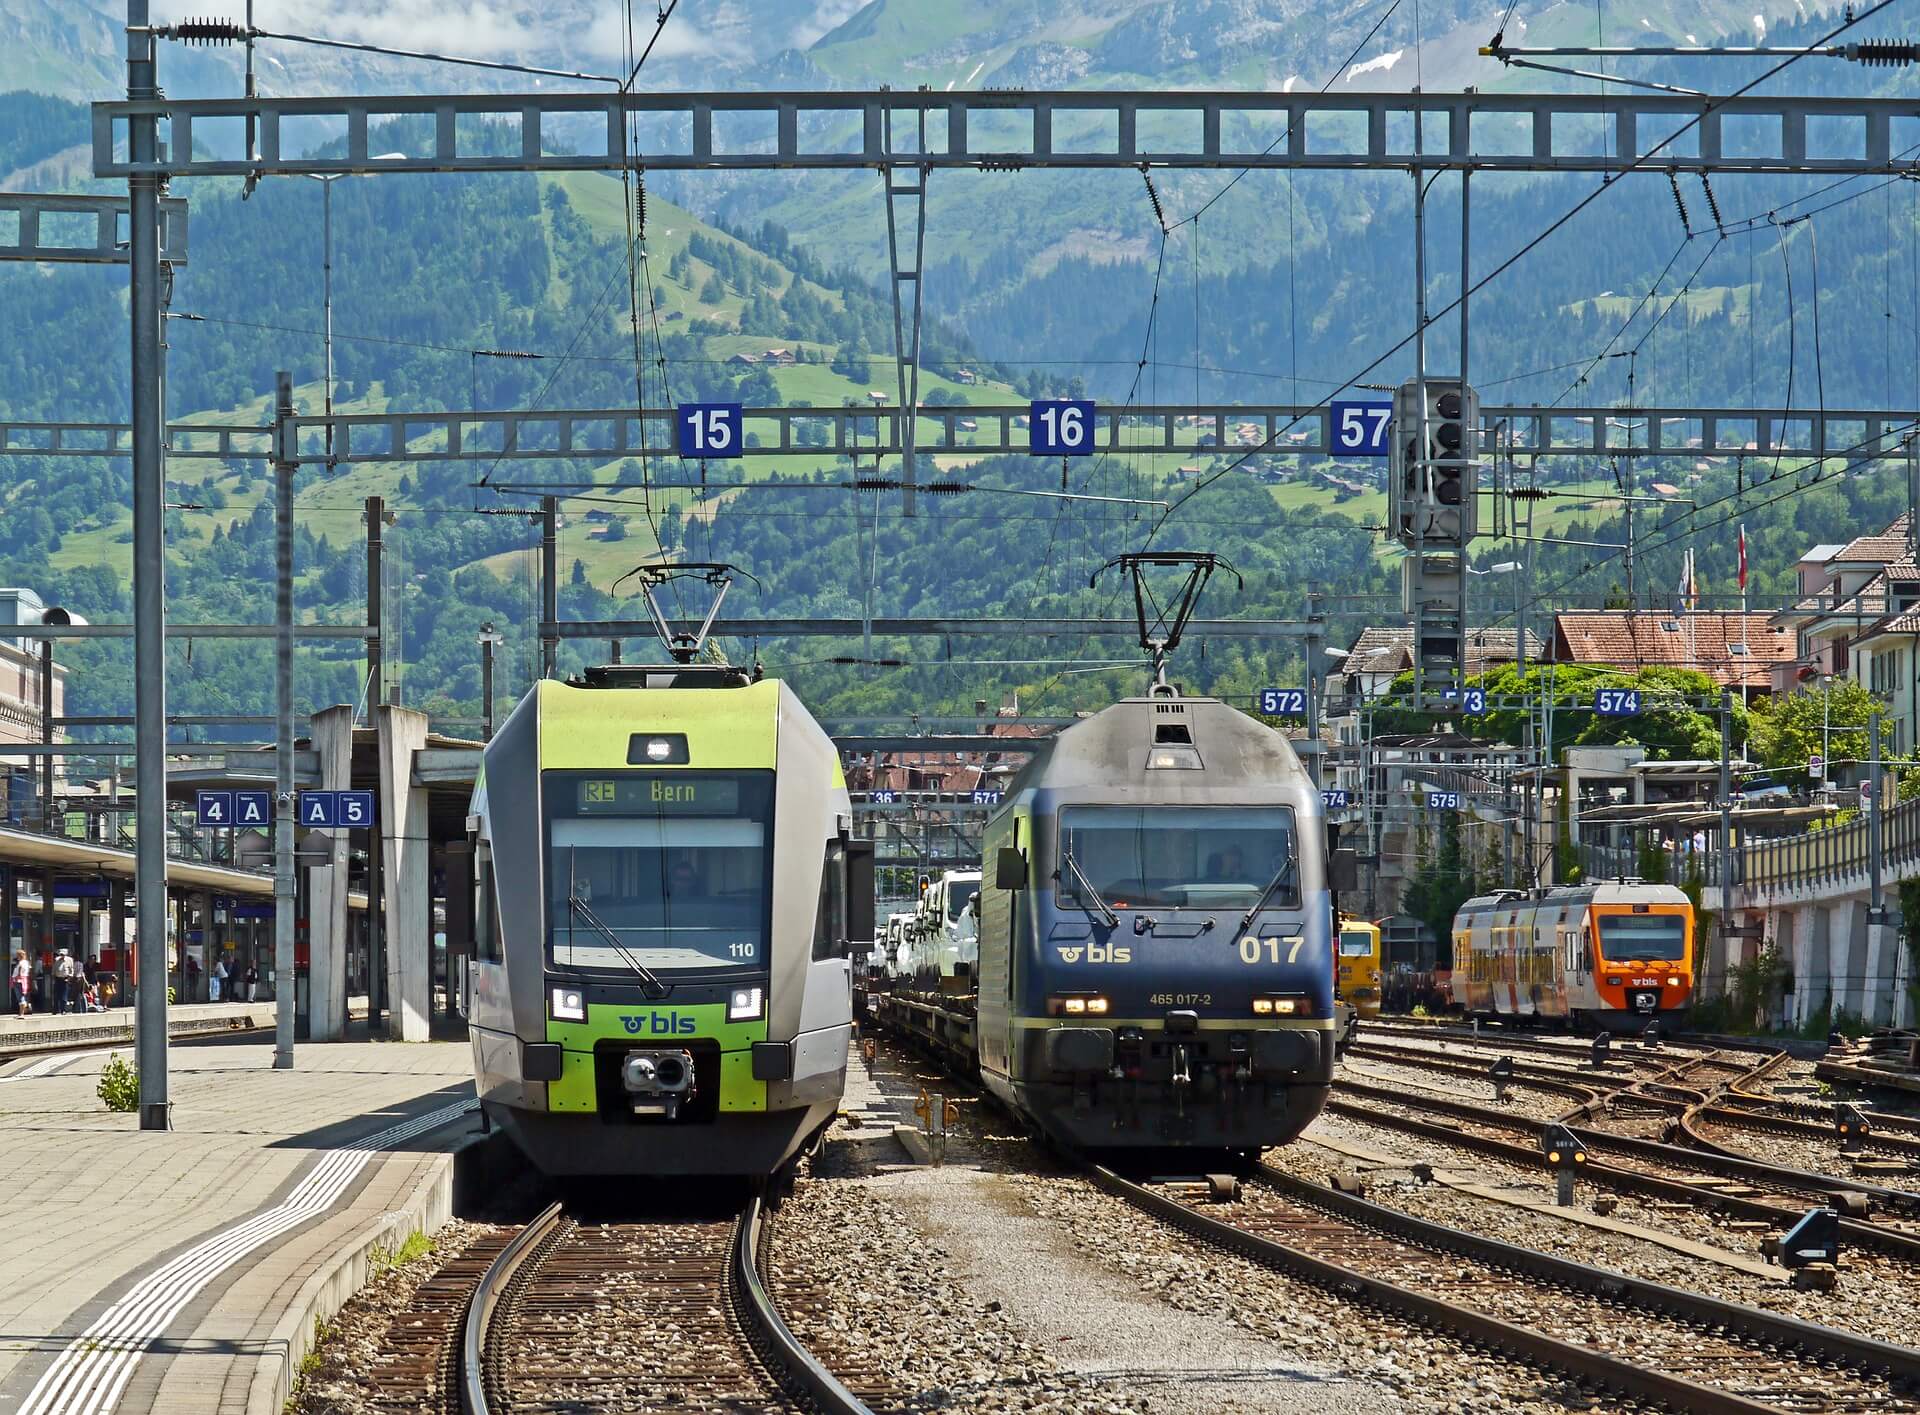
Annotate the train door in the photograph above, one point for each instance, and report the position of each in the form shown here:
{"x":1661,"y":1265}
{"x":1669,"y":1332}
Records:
{"x":1583,"y":996}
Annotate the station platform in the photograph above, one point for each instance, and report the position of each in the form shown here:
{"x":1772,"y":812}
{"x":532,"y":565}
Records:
{"x":185,"y":1271}
{"x":47,"y":1031}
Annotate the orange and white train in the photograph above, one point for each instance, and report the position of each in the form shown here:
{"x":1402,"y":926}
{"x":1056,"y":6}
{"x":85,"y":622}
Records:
{"x":1612,"y":956}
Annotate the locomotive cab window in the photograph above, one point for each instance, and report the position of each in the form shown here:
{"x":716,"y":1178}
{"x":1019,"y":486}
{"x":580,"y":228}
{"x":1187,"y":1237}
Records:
{"x":486,"y":933}
{"x":666,"y":871}
{"x":1356,"y":943}
{"x":1174,"y":857}
{"x":830,"y":920}
{"x":1658,"y":938}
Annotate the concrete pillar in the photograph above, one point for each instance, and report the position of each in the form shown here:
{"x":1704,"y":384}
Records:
{"x":1852,"y":982}
{"x":332,"y":731}
{"x":1813,"y":961}
{"x":1883,"y":984}
{"x":406,"y":879}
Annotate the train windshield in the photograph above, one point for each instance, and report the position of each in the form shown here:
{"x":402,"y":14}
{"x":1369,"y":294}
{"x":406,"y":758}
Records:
{"x":1356,"y":943}
{"x":1172,"y":857}
{"x":1658,"y":938}
{"x":960,"y":893}
{"x":662,"y":871}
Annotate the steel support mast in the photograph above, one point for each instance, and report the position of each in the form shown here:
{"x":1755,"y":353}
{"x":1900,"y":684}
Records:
{"x":149,"y":582}
{"x":283,"y":816}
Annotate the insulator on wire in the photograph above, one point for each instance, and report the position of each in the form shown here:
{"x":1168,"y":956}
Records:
{"x":640,"y":204}
{"x":1680,"y":203}
{"x":1527,"y":493}
{"x":945,"y":488}
{"x":1883,"y":53}
{"x":1713,"y":205}
{"x":1159,"y":212}
{"x":207,"y":32}
{"x":877,"y":484}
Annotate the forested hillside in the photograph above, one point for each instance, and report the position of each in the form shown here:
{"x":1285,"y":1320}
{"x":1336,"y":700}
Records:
{"x":1037,"y":283}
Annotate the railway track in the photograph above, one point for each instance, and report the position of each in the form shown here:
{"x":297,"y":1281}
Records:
{"x":1631,"y":1338}
{"x":1736,"y":1187}
{"x":674,"y":1315}
{"x":1696,"y":1109}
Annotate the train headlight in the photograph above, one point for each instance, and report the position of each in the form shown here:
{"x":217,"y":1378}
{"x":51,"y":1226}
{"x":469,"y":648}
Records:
{"x":1073,"y":1005}
{"x":569,"y":1005}
{"x":1263,"y":1006}
{"x":746,"y":1004}
{"x":658,"y":749}
{"x":1096,"y":1004}
{"x":1278,"y":1006}
{"x":1673,"y":982}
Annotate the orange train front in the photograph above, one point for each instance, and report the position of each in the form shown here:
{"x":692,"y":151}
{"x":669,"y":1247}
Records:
{"x":1616,"y":956}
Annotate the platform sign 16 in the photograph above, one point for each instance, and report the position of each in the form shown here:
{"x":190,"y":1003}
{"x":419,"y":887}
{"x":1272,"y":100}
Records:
{"x":710,"y":430}
{"x":1060,"y":428}
{"x":1336,"y":798}
{"x":1360,"y":429}
{"x":1443,"y":800}
{"x":1283,"y":702}
{"x":1616,"y":702}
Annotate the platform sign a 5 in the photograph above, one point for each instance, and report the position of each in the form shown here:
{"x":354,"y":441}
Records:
{"x":1363,"y":429}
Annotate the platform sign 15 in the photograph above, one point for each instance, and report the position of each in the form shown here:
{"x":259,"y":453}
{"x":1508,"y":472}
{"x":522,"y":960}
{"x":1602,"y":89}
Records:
{"x":710,"y":430}
{"x":1282,"y":702}
{"x":1443,"y":800}
{"x":1336,"y":798}
{"x":1060,"y":428}
{"x":1360,"y":429}
{"x":1616,"y":702}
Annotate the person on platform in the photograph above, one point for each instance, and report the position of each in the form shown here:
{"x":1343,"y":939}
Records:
{"x":21,"y":976}
{"x":90,"y":998}
{"x":218,"y":983}
{"x":251,"y":978}
{"x":63,"y":975}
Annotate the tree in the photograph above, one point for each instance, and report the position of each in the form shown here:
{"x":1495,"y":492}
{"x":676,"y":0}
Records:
{"x":616,"y":530}
{"x":1788,"y":730}
{"x":1442,"y":884}
{"x":714,"y":291}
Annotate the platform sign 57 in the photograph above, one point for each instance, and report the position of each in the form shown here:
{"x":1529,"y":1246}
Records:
{"x":1360,"y":429}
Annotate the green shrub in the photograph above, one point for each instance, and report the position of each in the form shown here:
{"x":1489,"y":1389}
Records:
{"x":119,"y":1085}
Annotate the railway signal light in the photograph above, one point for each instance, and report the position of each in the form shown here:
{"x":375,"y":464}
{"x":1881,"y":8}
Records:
{"x":1851,"y":1124}
{"x":1433,"y":478}
{"x":1566,"y":1157}
{"x":1501,"y":1074}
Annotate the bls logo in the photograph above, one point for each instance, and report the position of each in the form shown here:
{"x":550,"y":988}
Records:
{"x":657,"y":1024}
{"x":1097,"y":953}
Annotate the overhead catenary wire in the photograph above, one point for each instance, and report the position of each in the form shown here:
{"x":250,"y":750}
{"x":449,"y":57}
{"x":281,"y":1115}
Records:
{"x":1640,"y":162}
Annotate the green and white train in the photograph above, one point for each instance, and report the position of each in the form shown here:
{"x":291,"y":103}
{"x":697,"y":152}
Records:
{"x":666,"y":884}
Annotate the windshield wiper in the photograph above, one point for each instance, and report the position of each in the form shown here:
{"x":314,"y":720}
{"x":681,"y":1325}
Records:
{"x":1106,"y":910}
{"x":648,"y":980}
{"x":1284,"y":877}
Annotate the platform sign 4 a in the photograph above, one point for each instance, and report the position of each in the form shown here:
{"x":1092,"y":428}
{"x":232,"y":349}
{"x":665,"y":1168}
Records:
{"x":710,"y":430}
{"x":1361,"y":429}
{"x":1061,"y":427}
